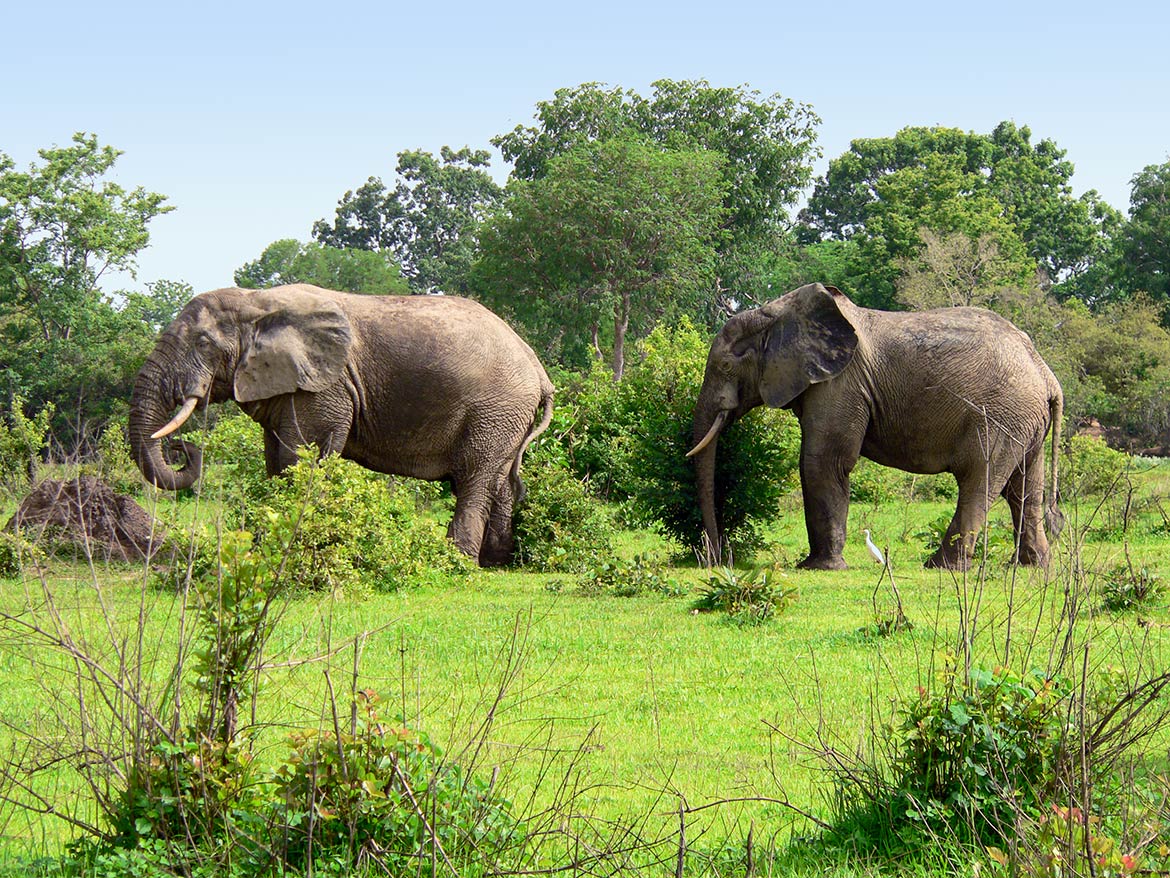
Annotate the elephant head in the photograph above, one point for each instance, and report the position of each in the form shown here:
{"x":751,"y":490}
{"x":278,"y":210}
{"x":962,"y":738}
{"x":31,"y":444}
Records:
{"x":768,"y":355}
{"x":231,"y":344}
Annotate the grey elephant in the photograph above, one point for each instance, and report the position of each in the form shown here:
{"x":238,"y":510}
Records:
{"x":434,"y":387}
{"x":958,"y":390}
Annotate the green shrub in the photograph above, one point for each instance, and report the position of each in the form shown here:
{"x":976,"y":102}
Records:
{"x":384,"y":789}
{"x":1126,"y":588}
{"x":21,"y":441}
{"x":974,"y":752}
{"x":749,"y":598}
{"x":17,"y":554}
{"x":1090,"y":467}
{"x":560,"y":525}
{"x":632,"y":440}
{"x":641,"y":575}
{"x":234,"y":468}
{"x":357,"y":528}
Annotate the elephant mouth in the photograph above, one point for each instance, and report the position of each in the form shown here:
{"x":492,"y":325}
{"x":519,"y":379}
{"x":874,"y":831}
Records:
{"x":716,"y":426}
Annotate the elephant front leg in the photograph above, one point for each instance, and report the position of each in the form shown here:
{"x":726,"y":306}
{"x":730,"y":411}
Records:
{"x":824,"y":482}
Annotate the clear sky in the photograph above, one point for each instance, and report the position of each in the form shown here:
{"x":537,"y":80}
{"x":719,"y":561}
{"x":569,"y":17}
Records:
{"x":254,"y":118}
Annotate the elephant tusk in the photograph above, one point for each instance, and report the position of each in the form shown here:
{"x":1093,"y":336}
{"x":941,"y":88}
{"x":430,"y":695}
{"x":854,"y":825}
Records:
{"x":178,"y":420}
{"x":720,"y":420}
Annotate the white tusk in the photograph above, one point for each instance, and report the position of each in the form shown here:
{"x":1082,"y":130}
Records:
{"x":720,"y":419}
{"x":178,"y":420}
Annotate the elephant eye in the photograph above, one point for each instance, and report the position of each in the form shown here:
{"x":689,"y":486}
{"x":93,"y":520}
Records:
{"x":204,"y":343}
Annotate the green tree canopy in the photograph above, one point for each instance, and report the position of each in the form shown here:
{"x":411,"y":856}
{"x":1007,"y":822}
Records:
{"x":613,"y":236}
{"x":427,"y":223}
{"x":1000,"y":184}
{"x":63,"y":226}
{"x":768,"y":143}
{"x":288,"y":261}
{"x":1145,"y":240}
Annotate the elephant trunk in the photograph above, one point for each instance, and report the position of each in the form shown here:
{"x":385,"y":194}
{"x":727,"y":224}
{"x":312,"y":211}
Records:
{"x":150,"y":410}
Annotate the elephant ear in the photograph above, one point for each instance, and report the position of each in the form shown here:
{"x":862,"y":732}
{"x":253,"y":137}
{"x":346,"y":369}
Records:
{"x":809,"y":341}
{"x":300,"y":341}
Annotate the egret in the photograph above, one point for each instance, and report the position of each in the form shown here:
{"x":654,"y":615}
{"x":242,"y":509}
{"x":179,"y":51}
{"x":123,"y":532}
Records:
{"x":874,"y":550}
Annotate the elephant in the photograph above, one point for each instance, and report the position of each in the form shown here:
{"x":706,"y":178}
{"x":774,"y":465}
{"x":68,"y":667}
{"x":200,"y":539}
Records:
{"x":434,"y":387}
{"x":958,"y":390}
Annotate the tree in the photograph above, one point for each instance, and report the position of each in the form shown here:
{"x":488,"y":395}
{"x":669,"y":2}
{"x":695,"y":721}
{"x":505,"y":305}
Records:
{"x":161,"y":303}
{"x":613,"y":236}
{"x":768,"y":143}
{"x":288,"y":261}
{"x":955,"y":268}
{"x":427,"y":223}
{"x":62,"y":227}
{"x":1012,"y":183}
{"x":1145,"y":240}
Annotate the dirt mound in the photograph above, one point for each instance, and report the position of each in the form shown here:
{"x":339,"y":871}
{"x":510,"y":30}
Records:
{"x":88,"y":513}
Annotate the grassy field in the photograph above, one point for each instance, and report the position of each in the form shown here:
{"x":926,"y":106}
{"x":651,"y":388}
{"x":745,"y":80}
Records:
{"x":638,"y":704}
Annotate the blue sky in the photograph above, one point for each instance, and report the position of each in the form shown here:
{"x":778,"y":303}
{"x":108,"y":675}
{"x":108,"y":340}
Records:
{"x":254,"y":118}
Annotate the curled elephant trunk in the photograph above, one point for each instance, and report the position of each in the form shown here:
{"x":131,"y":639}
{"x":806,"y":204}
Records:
{"x":149,"y":422}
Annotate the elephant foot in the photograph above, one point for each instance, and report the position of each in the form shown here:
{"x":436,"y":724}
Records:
{"x":823,"y":563}
{"x":1033,"y":557}
{"x":939,"y":561}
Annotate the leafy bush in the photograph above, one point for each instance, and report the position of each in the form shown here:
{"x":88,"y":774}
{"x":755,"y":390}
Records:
{"x":1126,"y":588}
{"x":16,"y":554}
{"x":234,"y":469}
{"x":383,"y":790}
{"x":638,"y":576}
{"x":1090,"y":467}
{"x":973,"y":753}
{"x":632,"y":439}
{"x":357,"y":528}
{"x":749,"y":598}
{"x":560,"y":525}
{"x":21,"y":441}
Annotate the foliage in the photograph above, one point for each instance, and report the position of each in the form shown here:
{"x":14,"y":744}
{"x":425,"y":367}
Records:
{"x":1144,"y":253}
{"x":995,"y":543}
{"x":112,"y":463}
{"x":63,"y":224}
{"x":613,"y":236}
{"x":958,"y":268}
{"x":382,"y":792}
{"x":427,"y":223}
{"x":975,"y":750}
{"x":21,"y":441}
{"x":17,"y":554}
{"x":768,"y":144}
{"x":234,"y":468}
{"x":1126,"y":588}
{"x":356,"y":529}
{"x":632,"y":440}
{"x":1069,"y":842}
{"x":883,"y":189}
{"x":1090,"y":467}
{"x":560,"y":525}
{"x":748,"y":598}
{"x":290,"y":262}
{"x":160,"y":305}
{"x":641,"y":575}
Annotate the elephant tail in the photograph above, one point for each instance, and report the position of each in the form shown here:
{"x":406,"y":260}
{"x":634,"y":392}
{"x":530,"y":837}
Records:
{"x":546,"y":400}
{"x":1053,"y":518}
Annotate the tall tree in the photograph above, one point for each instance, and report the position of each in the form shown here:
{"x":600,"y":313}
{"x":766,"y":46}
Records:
{"x":63,"y":225}
{"x":1025,"y":186}
{"x":426,"y":223}
{"x":288,"y":261}
{"x":612,"y":236}
{"x":769,"y":144}
{"x":1145,"y":240}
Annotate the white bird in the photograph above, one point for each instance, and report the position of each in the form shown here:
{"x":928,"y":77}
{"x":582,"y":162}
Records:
{"x":874,"y":550}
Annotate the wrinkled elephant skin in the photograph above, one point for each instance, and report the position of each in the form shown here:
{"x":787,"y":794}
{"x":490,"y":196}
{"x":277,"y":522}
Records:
{"x":958,"y":390}
{"x":434,"y":387}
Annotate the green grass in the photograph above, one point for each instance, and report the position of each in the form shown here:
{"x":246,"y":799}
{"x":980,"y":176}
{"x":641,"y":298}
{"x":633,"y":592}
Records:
{"x":640,"y":699}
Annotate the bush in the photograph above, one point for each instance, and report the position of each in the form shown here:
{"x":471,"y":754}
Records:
{"x":623,"y":579}
{"x":560,"y":525}
{"x":1091,"y":467}
{"x":21,"y":441}
{"x":356,"y":529}
{"x":234,"y":468}
{"x":749,"y":598}
{"x":114,"y":465}
{"x":973,"y":753}
{"x":633,"y":438}
{"x":383,"y":790}
{"x":16,"y":554}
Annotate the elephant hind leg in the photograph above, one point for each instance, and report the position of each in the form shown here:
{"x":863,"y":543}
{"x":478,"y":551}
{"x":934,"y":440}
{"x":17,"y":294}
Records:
{"x":472,"y":509}
{"x":1024,"y":493}
{"x":958,"y":543}
{"x":499,"y":540}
